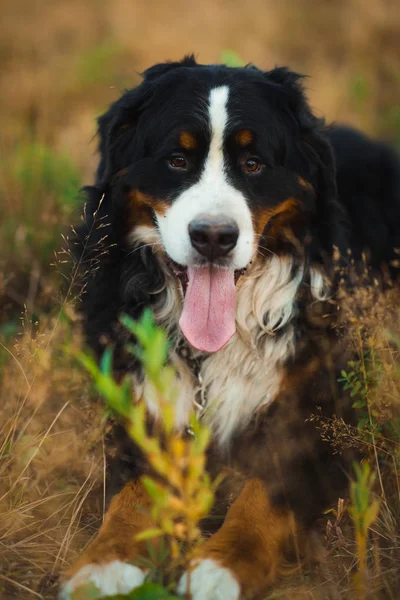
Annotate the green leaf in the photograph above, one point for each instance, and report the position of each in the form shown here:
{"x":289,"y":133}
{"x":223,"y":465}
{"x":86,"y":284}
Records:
{"x":128,"y":322}
{"x":359,"y":403}
{"x":231,"y":59}
{"x":202,"y":440}
{"x":358,"y":470}
{"x":147,"y":591}
{"x":149,"y":534}
{"x":106,"y":362}
{"x":371,"y":514}
{"x":154,"y":490}
{"x":363,"y":422}
{"x":88,"y":363}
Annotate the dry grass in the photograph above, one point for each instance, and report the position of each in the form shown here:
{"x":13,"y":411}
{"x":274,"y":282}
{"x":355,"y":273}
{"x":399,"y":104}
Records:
{"x":61,"y":63}
{"x":51,"y":457}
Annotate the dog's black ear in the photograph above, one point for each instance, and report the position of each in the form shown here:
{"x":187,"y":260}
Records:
{"x":311,"y":156}
{"x":284,"y":76}
{"x":116,"y":127}
{"x":116,"y":130}
{"x":319,"y":167}
{"x":112,"y":284}
{"x":157,"y":71}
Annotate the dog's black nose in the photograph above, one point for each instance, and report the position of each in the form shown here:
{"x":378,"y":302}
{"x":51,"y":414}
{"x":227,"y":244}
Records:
{"x":213,"y":237}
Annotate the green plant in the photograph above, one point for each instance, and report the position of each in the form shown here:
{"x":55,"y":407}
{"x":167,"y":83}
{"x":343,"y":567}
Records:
{"x":359,"y":381}
{"x":363,"y":381}
{"x":42,"y":192}
{"x":364,"y":511}
{"x":96,"y":64}
{"x":147,"y":591}
{"x":39,"y":168}
{"x":180,"y":488}
{"x":360,"y":91}
{"x":231,"y":59}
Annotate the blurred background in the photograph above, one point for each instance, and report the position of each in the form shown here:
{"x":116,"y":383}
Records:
{"x":62,"y":63}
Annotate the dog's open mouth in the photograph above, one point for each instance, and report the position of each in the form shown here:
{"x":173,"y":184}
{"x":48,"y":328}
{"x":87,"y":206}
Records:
{"x":209,"y":307}
{"x":181,"y":273}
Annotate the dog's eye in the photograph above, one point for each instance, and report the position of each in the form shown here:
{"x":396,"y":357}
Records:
{"x":251,"y":165}
{"x":178,"y":162}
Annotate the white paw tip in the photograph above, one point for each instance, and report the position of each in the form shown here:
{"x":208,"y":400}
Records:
{"x":112,"y":578}
{"x":210,"y":581}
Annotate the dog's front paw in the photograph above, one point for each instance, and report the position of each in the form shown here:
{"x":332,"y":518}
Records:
{"x":113,"y":578}
{"x":210,"y":581}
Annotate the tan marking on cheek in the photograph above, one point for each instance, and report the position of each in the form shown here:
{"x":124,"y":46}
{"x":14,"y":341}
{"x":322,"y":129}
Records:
{"x":244,"y":137}
{"x":161,"y":207}
{"x":283,"y":214}
{"x":141,"y":207}
{"x":187,"y":140}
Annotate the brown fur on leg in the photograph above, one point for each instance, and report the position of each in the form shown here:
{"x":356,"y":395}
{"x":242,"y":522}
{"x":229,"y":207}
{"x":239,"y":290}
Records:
{"x":252,"y":539}
{"x":126,"y":517}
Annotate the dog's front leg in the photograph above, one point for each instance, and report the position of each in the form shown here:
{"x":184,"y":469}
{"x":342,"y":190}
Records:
{"x":243,"y":558}
{"x":106,"y":561}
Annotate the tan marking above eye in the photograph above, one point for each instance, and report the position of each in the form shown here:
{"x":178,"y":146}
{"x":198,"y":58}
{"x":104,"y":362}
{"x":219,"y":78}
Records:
{"x":141,"y":206}
{"x":244,"y":137}
{"x":187,"y":140}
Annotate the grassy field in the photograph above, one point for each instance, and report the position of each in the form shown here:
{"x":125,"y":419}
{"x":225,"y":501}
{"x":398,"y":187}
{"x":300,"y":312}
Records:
{"x":61,"y":64}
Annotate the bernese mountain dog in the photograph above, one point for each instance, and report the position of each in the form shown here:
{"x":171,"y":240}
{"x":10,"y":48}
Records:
{"x":225,"y":205}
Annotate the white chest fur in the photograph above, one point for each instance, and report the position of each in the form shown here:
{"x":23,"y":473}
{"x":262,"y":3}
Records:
{"x":246,"y":374}
{"x":238,"y":380}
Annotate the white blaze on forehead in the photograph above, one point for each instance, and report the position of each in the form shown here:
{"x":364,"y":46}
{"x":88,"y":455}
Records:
{"x":218,"y":116}
{"x":213,"y":194}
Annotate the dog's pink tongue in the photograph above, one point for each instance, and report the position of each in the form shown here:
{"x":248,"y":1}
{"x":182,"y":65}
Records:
{"x":208,"y":316}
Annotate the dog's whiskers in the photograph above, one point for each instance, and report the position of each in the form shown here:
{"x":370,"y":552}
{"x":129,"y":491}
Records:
{"x":267,"y":250}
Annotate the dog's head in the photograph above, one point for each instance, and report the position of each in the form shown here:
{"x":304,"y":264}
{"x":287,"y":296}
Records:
{"x":213,"y":166}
